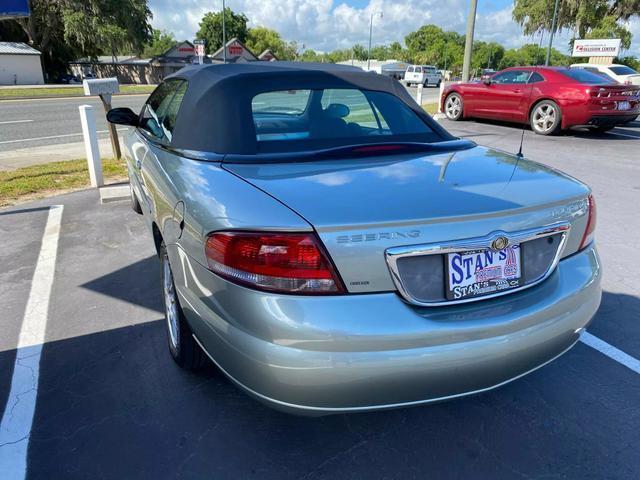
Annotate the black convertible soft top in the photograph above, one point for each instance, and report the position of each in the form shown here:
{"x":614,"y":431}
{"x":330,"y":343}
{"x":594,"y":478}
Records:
{"x":215,"y":114}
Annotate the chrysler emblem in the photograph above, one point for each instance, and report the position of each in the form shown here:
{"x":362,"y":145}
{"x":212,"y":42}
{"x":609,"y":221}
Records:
{"x":500,"y":243}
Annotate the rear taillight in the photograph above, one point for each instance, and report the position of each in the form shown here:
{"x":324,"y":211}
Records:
{"x":589,"y":231}
{"x":277,"y":262}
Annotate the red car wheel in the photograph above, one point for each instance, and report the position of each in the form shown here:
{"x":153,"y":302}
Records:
{"x":453,"y":106}
{"x":546,"y":118}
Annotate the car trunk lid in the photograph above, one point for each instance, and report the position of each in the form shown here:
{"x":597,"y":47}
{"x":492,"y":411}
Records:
{"x":362,"y":206}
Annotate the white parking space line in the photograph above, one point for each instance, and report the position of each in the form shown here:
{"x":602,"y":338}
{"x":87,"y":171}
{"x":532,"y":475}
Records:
{"x":611,"y":351}
{"x":54,"y":136}
{"x":17,"y":419}
{"x":16,"y":121}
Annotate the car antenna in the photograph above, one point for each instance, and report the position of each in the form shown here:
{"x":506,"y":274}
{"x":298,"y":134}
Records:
{"x":524,"y":125}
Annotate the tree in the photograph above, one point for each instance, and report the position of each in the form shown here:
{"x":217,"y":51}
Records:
{"x":106,"y":26}
{"x":160,"y":42}
{"x":531,"y":54}
{"x":588,"y":18}
{"x":431,"y":45}
{"x":632,"y":62}
{"x":359,"y":52}
{"x":211,"y":28}
{"x":310,"y":56}
{"x":261,"y":38}
{"x":486,"y":55}
{"x":66,"y":29}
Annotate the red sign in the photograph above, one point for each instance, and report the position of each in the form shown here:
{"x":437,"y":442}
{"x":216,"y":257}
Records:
{"x":235,"y":49}
{"x":185,"y":49}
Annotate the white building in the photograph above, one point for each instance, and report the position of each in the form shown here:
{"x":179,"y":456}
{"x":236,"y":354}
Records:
{"x":19,"y":64}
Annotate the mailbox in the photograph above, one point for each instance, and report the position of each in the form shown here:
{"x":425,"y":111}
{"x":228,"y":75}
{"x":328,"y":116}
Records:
{"x":101,"y":86}
{"x":104,"y":88}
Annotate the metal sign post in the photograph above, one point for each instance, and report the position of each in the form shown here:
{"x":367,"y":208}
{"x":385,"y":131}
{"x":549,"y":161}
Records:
{"x":104,"y":88}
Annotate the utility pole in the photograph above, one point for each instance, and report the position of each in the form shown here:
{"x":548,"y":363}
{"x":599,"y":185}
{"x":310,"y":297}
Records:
{"x":468,"y":43}
{"x":224,"y":33}
{"x":553,"y":29}
{"x":370,"y":32}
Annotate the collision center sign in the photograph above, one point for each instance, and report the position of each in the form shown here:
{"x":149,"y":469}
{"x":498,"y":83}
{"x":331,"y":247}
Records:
{"x":592,"y":47}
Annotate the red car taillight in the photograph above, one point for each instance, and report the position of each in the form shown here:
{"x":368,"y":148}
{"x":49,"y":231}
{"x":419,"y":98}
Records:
{"x":589,"y":231}
{"x":278,"y":262}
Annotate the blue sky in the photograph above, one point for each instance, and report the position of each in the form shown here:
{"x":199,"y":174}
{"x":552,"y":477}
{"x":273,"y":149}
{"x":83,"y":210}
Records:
{"x":328,"y":24}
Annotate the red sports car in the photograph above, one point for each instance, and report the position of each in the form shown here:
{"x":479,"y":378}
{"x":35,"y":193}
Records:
{"x":550,"y":99}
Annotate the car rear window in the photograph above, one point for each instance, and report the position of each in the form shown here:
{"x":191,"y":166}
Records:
{"x":583,"y":76}
{"x":308,"y":119}
{"x":623,"y":70}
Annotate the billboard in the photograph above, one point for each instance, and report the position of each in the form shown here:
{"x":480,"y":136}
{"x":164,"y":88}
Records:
{"x":592,"y":47}
{"x":14,"y":8}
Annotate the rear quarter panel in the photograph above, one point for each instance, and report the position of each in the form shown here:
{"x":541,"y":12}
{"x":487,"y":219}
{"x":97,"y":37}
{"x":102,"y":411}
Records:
{"x":214,"y":199}
{"x":571,"y":99}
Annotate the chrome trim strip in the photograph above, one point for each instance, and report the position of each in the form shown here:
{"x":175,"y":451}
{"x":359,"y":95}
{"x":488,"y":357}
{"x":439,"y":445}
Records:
{"x":330,"y":410}
{"x":478,"y":243}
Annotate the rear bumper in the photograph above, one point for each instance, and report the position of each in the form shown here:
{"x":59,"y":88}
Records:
{"x":322,"y":355}
{"x":608,"y":120}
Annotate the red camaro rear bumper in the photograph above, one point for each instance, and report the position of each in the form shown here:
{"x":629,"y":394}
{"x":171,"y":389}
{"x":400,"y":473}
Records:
{"x":600,"y":112}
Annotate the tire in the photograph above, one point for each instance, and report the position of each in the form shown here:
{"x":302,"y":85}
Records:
{"x":454,"y":106}
{"x":408,"y":84}
{"x":135,"y":204}
{"x":438,"y":84}
{"x":546,"y":118}
{"x":183,"y":348}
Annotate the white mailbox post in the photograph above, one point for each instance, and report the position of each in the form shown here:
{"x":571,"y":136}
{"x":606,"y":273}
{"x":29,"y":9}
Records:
{"x":91,"y":145}
{"x":104,"y":88}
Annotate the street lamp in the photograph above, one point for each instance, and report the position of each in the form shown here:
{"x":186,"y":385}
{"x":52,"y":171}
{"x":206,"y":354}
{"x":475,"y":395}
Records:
{"x":553,"y":30}
{"x":224,"y":33}
{"x":370,"y":32}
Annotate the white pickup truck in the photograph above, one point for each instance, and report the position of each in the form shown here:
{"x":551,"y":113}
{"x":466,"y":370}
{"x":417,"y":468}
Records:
{"x":424,"y":74}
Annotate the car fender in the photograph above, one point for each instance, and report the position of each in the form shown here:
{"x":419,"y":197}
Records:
{"x":541,"y":99}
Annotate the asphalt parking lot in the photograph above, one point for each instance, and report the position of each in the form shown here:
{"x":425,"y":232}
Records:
{"x":106,"y":401}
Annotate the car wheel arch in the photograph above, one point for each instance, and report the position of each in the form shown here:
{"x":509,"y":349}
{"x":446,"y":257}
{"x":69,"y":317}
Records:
{"x":157,"y":237}
{"x":460,"y":94}
{"x":542,"y":99}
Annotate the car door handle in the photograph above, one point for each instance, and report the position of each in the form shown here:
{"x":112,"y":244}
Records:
{"x":517,"y":90}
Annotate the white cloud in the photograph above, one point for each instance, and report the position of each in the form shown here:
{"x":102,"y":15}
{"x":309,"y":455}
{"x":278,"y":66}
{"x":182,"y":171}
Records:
{"x":324,"y":25}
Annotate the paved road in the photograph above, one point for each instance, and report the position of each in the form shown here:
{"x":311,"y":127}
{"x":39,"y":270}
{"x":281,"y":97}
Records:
{"x":51,"y":121}
{"x":41,"y":122}
{"x":111,"y":404}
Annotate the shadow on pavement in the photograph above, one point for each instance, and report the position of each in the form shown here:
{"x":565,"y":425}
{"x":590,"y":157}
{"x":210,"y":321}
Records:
{"x":114,"y":405}
{"x":137,"y":283}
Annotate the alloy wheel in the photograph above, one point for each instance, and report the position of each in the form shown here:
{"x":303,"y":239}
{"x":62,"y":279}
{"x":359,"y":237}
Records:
{"x":544,"y":118}
{"x":170,"y":303}
{"x":453,"y":107}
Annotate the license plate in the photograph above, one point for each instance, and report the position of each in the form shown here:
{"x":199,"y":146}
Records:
{"x":482,"y":272}
{"x":623,"y":106}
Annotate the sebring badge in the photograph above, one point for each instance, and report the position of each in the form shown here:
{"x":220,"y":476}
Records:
{"x":500,"y":243}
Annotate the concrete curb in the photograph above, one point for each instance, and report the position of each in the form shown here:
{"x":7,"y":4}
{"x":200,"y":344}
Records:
{"x":114,"y":193}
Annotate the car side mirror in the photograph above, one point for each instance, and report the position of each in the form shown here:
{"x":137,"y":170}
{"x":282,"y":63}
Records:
{"x":122,"y":116}
{"x":486,"y":79}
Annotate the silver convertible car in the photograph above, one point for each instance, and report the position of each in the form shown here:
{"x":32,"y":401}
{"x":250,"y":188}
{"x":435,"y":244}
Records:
{"x":331,"y":248}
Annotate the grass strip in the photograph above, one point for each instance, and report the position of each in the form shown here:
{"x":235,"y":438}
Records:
{"x":39,"y":181}
{"x":7,"y":93}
